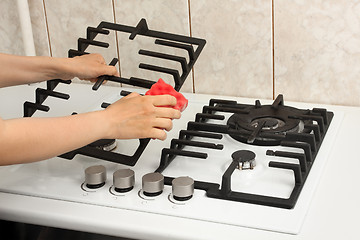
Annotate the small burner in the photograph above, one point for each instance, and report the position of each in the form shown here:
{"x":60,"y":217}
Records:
{"x":245,"y":158}
{"x":104,"y":144}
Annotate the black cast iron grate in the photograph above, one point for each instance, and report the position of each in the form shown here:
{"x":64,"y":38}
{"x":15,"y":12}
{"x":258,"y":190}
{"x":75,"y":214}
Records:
{"x":309,"y":139}
{"x":192,"y":46}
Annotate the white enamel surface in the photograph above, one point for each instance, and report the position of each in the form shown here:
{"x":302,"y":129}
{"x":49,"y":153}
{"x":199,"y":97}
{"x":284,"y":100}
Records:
{"x":38,"y":186}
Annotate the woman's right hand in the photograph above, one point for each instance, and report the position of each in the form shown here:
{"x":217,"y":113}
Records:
{"x":136,"y":116}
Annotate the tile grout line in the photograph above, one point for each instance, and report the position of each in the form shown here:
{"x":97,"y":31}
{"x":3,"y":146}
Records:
{"x":273,"y":46}
{"x":116,"y":39}
{"x":193,"y":75}
{"x":47,"y":28}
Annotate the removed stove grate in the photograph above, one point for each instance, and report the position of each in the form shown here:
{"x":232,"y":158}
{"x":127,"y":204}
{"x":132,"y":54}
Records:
{"x":161,"y":38}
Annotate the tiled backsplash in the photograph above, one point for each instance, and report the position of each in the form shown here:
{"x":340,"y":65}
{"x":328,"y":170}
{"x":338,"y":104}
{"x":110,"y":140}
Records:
{"x":317,"y":50}
{"x":307,"y":50}
{"x":237,"y":59}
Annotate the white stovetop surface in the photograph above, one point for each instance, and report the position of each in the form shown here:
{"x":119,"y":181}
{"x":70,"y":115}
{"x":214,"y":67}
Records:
{"x":332,"y":212}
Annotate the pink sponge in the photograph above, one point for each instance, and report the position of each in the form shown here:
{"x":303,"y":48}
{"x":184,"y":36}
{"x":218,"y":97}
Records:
{"x":162,"y":88}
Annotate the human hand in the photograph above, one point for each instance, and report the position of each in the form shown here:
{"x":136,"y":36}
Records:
{"x":87,"y":67}
{"x":136,"y":116}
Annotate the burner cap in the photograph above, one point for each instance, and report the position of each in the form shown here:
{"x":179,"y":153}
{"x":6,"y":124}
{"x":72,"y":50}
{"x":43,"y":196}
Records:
{"x":104,"y":144}
{"x":245,"y":158}
{"x":270,"y":123}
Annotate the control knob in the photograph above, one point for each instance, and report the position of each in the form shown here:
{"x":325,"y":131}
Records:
{"x":123,"y":180}
{"x":152,"y":184}
{"x":182,"y":188}
{"x":95,"y":176}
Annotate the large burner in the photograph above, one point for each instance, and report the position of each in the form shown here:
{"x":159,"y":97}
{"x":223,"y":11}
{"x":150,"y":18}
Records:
{"x":257,"y":123}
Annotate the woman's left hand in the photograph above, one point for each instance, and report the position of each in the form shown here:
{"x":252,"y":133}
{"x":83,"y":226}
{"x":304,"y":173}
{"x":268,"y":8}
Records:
{"x":87,"y":67}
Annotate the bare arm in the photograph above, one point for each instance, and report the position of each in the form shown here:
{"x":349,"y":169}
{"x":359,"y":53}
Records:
{"x":16,"y":70}
{"x":33,"y":139}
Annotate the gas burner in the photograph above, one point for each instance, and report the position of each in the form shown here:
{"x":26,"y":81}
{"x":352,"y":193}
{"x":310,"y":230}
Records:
{"x":257,"y":122}
{"x":104,"y":144}
{"x":245,"y":159}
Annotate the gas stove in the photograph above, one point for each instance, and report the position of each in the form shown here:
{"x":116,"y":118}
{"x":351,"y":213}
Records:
{"x":205,"y":159}
{"x":235,"y":161}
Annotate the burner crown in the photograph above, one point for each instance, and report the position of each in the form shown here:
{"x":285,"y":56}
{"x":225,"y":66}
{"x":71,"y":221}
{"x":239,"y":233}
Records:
{"x":245,"y":159}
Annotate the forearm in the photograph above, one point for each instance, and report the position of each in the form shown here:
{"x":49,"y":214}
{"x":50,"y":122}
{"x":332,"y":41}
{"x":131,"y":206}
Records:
{"x":33,"y":139}
{"x":16,"y":70}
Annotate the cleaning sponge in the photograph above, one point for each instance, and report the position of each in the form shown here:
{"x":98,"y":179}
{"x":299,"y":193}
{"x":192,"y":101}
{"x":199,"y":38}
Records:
{"x":162,"y":88}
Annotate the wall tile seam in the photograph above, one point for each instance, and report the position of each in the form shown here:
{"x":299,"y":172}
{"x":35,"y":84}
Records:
{"x":116,"y":40}
{"x":190,"y":33}
{"x":273,"y":45}
{"x":47,"y":28}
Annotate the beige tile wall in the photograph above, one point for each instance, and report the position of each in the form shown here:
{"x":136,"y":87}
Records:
{"x":10,"y":32}
{"x":237,"y":59}
{"x":316,"y":44}
{"x":10,"y":36}
{"x":69,"y":19}
{"x":317,"y":51}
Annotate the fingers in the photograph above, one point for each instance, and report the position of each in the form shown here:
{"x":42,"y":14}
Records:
{"x":168,"y":113}
{"x":160,"y":127}
{"x":163,"y":100}
{"x":157,"y":133}
{"x":106,"y":69}
{"x":163,"y":123}
{"x":158,"y":102}
{"x":136,"y":116}
{"x":110,"y":70}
